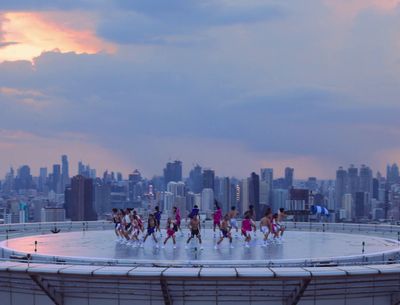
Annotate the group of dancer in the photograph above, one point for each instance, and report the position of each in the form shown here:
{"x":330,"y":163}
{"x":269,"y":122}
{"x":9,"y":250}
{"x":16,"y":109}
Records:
{"x":130,"y":227}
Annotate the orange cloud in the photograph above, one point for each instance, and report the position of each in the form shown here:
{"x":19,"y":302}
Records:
{"x":34,"y":33}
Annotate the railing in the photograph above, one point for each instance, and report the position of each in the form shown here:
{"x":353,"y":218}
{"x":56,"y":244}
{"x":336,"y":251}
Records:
{"x":8,"y":230}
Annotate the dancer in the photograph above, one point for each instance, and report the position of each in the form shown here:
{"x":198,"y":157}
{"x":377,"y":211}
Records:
{"x":194,"y":226}
{"x":151,"y":228}
{"x":117,"y":222}
{"x":135,"y":229}
{"x":225,"y":232}
{"x":281,"y":217}
{"x":126,"y":225}
{"x":233,"y":221}
{"x":139,"y":220}
{"x":252,"y":213}
{"x":265,"y":226}
{"x":157,"y":216}
{"x":177,"y":222}
{"x":171,"y":226}
{"x":217,"y":217}
{"x":195,"y":212}
{"x":275,"y":228}
{"x":247,"y":225}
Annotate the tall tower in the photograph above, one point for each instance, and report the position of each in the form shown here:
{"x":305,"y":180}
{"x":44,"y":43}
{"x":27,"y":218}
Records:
{"x":353,"y":181}
{"x":365,"y":179}
{"x":196,"y":179}
{"x":289,"y":173}
{"x":266,"y":185}
{"x":254,"y":193}
{"x":340,"y":187}
{"x":81,"y":200}
{"x":208,"y":179}
{"x":64,"y":172}
{"x":173,"y":172}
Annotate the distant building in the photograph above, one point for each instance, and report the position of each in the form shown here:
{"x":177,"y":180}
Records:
{"x":267,"y":181}
{"x":173,"y":172}
{"x":195,"y":181}
{"x":207,"y":200}
{"x":289,"y":174}
{"x":64,"y":173}
{"x":361,"y":205}
{"x":81,"y":199}
{"x":340,"y":187}
{"x":52,"y":214}
{"x":208,"y":179}
{"x":254,"y":194}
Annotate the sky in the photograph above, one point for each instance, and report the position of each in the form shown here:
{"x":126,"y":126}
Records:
{"x":232,"y":85}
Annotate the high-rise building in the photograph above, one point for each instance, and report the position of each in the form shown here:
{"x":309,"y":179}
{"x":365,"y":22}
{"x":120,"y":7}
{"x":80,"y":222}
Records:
{"x":81,"y":201}
{"x":50,"y":214}
{"x":102,"y":197}
{"x":280,"y":198}
{"x":196,"y":179}
{"x":365,"y":180}
{"x":375,"y":188}
{"x":64,"y":172}
{"x":267,"y":179}
{"x":348,"y":207}
{"x":361,"y":204}
{"x":56,"y":179}
{"x":42,"y":179}
{"x":340,"y":187}
{"x":289,"y":174}
{"x":312,"y":184}
{"x":392,"y":174}
{"x":23,"y":181}
{"x":353,"y":180}
{"x":244,"y":195}
{"x":208,"y":179}
{"x":135,"y":192}
{"x":224,"y":193}
{"x":173,"y":172}
{"x":254,"y":194}
{"x":207,"y":200}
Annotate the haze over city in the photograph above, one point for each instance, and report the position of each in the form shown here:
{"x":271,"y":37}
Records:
{"x":235,"y":86}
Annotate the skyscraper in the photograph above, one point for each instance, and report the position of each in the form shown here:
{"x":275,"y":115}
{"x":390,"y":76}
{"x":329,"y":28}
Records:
{"x":81,"y":201}
{"x":56,"y":182}
{"x":365,"y":179}
{"x":23,"y":180}
{"x":289,"y":173}
{"x":254,"y":194}
{"x":340,"y":187}
{"x":64,"y":172}
{"x":196,"y":179}
{"x":353,"y":181}
{"x":173,"y":172}
{"x":208,"y":179}
{"x":392,"y":174}
{"x":42,"y":179}
{"x":267,"y":180}
{"x":207,"y":200}
{"x":133,"y":180}
{"x":224,"y":193}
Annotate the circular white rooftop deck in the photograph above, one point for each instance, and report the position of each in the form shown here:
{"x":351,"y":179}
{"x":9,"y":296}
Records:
{"x":297,"y":248}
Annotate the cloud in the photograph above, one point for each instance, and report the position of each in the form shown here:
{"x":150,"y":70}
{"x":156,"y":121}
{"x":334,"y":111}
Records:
{"x":39,"y":32}
{"x":291,"y":85}
{"x":155,"y":22}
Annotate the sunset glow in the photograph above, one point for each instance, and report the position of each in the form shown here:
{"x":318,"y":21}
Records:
{"x":30,"y":34}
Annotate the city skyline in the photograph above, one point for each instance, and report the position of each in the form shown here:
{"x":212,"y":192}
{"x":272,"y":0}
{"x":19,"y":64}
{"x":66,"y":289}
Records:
{"x":310,"y":85}
{"x":185,"y":168}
